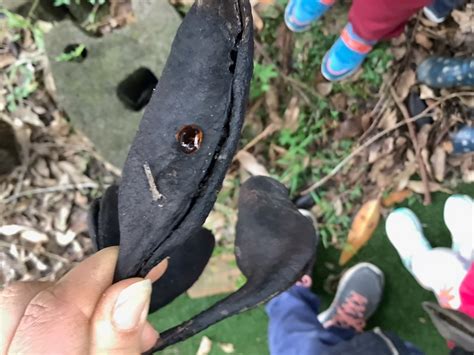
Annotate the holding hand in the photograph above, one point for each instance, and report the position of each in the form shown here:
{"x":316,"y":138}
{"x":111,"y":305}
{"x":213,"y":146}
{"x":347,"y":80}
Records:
{"x":81,"y":313}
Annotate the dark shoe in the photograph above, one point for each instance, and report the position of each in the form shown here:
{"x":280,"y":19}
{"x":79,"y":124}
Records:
{"x":357,"y":298}
{"x":440,"y":72}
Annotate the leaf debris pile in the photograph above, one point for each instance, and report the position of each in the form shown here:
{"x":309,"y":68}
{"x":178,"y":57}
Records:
{"x":49,"y":172}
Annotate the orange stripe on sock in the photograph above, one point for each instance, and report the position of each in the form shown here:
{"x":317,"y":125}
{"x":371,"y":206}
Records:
{"x":327,"y":2}
{"x":353,"y":44}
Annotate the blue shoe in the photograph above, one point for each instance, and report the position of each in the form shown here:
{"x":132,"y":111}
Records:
{"x":346,"y":55}
{"x":299,"y":14}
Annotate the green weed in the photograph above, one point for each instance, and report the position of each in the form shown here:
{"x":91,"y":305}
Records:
{"x":72,"y":55}
{"x":20,"y":76}
{"x":262,"y":75}
{"x":17,"y":22}
{"x":21,"y":84}
{"x":376,"y":64}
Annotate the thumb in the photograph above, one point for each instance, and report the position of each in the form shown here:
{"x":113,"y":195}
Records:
{"x":119,"y":319}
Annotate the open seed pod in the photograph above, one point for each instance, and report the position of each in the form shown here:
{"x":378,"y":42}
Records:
{"x":274,"y":245}
{"x":176,"y":165}
{"x":185,"y":264}
{"x":188,"y":135}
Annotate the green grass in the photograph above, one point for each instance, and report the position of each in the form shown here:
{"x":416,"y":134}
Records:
{"x":400,"y":310}
{"x":246,"y":331}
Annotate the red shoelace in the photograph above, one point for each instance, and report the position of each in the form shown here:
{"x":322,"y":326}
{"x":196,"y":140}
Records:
{"x":350,"y":314}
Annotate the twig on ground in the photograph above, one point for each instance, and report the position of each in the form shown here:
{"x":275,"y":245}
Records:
{"x":376,"y":137}
{"x":300,"y":87}
{"x":49,"y":190}
{"x":416,"y":146}
{"x":379,"y":108}
{"x":32,"y":9}
{"x":268,"y":131}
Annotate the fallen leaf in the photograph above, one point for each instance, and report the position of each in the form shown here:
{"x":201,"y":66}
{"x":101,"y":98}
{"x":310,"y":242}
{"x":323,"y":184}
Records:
{"x":399,"y":40}
{"x":292,"y":113}
{"x":6,"y":60}
{"x":438,"y":163}
{"x":250,"y":164}
{"x":64,"y":239}
{"x":216,"y":222}
{"x":338,"y":207}
{"x":272,"y":104}
{"x":61,"y":217}
{"x":398,"y":52}
{"x":339,"y":101}
{"x":423,"y":40}
{"x":426,"y":93}
{"x":324,"y":88}
{"x":228,"y":348}
{"x":423,"y":135}
{"x":405,"y":82}
{"x":33,"y":236}
{"x":366,"y":120}
{"x":388,"y":120}
{"x":464,"y":20}
{"x":349,"y":128}
{"x":12,"y":229}
{"x":78,"y":221}
{"x":220,"y":276}
{"x":285,"y":43}
{"x":363,"y":226}
{"x":419,"y":187}
{"x":205,"y":346}
{"x":396,"y":197}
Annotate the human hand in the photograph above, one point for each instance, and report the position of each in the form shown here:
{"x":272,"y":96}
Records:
{"x":82,"y":313}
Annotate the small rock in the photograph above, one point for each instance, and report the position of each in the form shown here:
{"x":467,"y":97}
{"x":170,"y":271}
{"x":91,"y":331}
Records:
{"x":88,"y":89}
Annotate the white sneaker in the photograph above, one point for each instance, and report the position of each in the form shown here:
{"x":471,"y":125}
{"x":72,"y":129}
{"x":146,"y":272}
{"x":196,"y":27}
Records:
{"x":459,"y":218}
{"x":440,"y":270}
{"x":405,"y":232}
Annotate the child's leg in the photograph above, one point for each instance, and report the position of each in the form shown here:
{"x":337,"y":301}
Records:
{"x":369,"y":22}
{"x":374,"y":20}
{"x":294,"y":327}
{"x":467,"y":293}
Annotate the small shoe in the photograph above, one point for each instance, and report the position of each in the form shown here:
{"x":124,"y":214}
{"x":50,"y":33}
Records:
{"x":446,"y":72}
{"x":358,"y":295}
{"x":405,"y":232}
{"x":346,"y":55}
{"x":433,"y":15}
{"x":300,"y":14}
{"x":458,"y":217}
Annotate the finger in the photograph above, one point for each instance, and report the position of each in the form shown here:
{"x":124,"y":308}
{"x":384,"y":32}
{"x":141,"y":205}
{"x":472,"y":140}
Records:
{"x":84,"y":285}
{"x":157,"y":271}
{"x":119,"y":319}
{"x":149,"y":337}
{"x":63,"y":311}
{"x":50,"y":325}
{"x":13,"y":302}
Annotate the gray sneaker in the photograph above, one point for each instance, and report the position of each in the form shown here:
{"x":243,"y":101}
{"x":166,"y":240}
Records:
{"x":358,"y":295}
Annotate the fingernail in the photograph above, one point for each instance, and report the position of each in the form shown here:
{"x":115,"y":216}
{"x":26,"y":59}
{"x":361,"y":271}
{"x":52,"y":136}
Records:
{"x":131,"y":306}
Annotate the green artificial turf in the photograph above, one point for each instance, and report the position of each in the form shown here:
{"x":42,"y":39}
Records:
{"x":247,"y":331}
{"x":400,"y":310}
